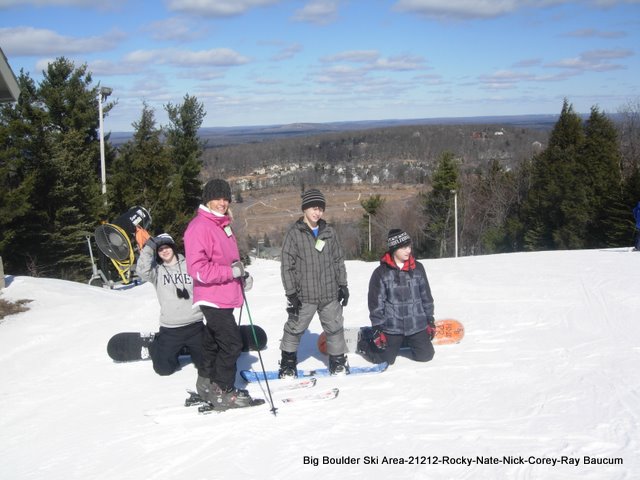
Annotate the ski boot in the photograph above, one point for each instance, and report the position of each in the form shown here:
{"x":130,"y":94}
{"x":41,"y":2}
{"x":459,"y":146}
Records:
{"x":203,"y":387}
{"x":288,"y":365}
{"x":221,"y":399}
{"x":338,"y":365}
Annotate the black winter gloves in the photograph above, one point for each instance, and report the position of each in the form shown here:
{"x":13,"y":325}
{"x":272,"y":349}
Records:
{"x":378,"y":338}
{"x":431,"y":328}
{"x":293,"y":304}
{"x":343,"y":295}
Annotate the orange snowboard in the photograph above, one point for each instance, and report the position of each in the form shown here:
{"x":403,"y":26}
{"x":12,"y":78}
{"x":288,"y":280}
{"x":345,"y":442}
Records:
{"x":448,"y":331}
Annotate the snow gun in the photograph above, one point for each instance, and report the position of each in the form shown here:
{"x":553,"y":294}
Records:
{"x":116,"y":240}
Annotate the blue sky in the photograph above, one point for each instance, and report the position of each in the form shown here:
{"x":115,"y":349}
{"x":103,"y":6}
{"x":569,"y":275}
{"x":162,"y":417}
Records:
{"x":263,"y":62}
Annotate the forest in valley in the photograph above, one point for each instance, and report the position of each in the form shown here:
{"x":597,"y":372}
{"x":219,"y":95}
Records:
{"x":570,"y":186}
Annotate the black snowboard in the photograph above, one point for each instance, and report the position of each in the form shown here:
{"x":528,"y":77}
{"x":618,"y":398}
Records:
{"x":132,"y":346}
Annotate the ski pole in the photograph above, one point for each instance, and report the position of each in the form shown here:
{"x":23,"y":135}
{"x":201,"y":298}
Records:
{"x":274,"y":410}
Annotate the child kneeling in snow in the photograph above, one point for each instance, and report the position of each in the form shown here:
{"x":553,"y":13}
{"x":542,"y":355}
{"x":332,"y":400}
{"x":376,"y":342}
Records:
{"x":181,"y":325}
{"x":400,"y":305}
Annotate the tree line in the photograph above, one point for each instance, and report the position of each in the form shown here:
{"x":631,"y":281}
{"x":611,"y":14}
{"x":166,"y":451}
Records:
{"x":578,"y":192}
{"x":575,"y":192}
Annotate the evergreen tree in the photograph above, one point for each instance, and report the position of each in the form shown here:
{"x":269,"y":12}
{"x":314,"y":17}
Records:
{"x":185,"y":152}
{"x":438,"y":208}
{"x":556,"y":212}
{"x":142,"y":174}
{"x":23,"y":158}
{"x":601,"y":163}
{"x":39,"y":175}
{"x":78,"y":201}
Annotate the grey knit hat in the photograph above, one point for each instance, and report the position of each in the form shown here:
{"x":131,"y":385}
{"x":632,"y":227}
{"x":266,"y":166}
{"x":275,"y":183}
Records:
{"x":214,"y":189}
{"x":313,"y":198}
{"x":396,"y":239}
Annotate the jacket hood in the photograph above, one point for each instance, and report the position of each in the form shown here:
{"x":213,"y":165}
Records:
{"x":387,"y":260}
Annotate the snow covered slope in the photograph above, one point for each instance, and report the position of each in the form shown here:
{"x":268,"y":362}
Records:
{"x":547,"y":372}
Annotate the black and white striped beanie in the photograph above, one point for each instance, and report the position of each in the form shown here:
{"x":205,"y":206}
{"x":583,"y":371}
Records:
{"x":397,"y":238}
{"x":313,"y":198}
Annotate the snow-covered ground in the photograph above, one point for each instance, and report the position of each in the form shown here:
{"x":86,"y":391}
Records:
{"x":547,"y":372}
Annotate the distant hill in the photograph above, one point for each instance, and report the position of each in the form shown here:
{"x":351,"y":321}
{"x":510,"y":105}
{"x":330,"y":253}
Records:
{"x":218,"y":136}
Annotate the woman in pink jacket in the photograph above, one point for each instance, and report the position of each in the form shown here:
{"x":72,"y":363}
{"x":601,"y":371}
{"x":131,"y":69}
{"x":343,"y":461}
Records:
{"x":213,"y":261}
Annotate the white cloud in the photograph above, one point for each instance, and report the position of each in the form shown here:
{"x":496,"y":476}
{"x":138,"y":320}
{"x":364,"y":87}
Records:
{"x":399,"y":63}
{"x":217,"y":57}
{"x":593,"y":33}
{"x":372,"y":60}
{"x":217,"y":8}
{"x":320,"y":12}
{"x":175,"y":29}
{"x":103,"y":6}
{"x":29,"y":41}
{"x":287,"y":52}
{"x":527,"y":62}
{"x":457,"y":8}
{"x":356,"y":56}
{"x":473,"y":9}
{"x":594,"y":60}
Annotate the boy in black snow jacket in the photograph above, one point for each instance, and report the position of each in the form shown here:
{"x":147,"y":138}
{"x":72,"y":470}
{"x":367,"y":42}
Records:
{"x":400,"y":305}
{"x":315,"y":280}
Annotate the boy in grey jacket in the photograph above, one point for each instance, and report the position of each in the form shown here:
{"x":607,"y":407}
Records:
{"x":181,"y":326}
{"x":315,"y":280}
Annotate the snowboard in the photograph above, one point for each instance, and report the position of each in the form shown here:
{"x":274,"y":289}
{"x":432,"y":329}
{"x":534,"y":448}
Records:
{"x":448,"y":331}
{"x":255,"y":376}
{"x":132,"y":346}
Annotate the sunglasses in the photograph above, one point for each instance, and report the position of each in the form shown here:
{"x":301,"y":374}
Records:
{"x":182,"y":293}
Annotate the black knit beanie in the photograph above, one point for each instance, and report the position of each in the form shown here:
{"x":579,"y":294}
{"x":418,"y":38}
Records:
{"x":396,"y":239}
{"x":215,"y":189}
{"x":313,"y":198}
{"x":164,"y":239}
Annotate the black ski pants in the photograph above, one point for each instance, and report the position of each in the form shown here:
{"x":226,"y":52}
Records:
{"x":222,"y":345}
{"x":421,"y":348}
{"x":169,"y":343}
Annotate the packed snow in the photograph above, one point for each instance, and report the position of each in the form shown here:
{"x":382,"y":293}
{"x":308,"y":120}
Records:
{"x":544,"y":385}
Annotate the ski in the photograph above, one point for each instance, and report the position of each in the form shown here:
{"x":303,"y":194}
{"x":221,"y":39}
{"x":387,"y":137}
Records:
{"x":325,"y":395}
{"x":207,"y":407}
{"x":253,"y":376}
{"x":295,"y":384}
{"x":194,"y":400}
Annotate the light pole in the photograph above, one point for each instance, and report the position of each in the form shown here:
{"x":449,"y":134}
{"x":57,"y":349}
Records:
{"x":455,"y":217}
{"x":102,"y":96}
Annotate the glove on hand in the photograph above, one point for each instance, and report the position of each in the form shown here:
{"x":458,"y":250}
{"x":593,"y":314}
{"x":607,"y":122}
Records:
{"x":431,"y":328}
{"x":293,"y":304}
{"x":237,"y":268}
{"x":247,"y":281}
{"x":378,"y":338}
{"x":151,"y":242}
{"x":343,"y":295}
